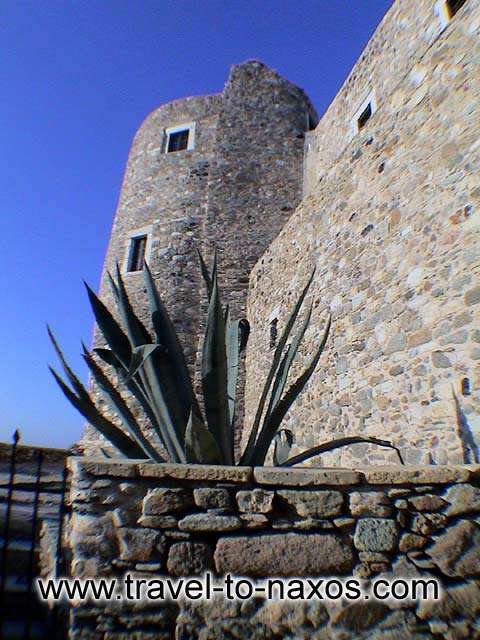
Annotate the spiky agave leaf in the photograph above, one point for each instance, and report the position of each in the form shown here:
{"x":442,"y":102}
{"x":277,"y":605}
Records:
{"x":336,"y":444}
{"x":81,"y":400}
{"x":134,"y":385}
{"x":110,"y":329}
{"x":232,"y":351}
{"x":120,"y":407}
{"x":215,"y":376}
{"x":159,"y":388}
{"x":200,"y":445}
{"x":204,"y":269}
{"x":270,"y":427}
{"x":175,"y":365}
{"x":249,"y":452}
{"x":127,"y":447}
{"x":285,"y":365}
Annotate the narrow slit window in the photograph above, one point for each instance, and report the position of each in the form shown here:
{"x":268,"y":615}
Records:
{"x":364,"y":116}
{"x":178,"y":141}
{"x":453,"y":6}
{"x":136,"y":258}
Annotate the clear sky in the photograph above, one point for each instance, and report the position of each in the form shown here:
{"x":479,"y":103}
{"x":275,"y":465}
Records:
{"x":78,"y":77}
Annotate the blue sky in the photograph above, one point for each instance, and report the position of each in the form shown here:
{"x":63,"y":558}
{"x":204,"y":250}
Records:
{"x":78,"y":77}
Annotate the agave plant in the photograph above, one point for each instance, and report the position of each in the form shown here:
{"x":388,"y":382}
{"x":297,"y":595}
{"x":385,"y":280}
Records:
{"x":154,"y":371}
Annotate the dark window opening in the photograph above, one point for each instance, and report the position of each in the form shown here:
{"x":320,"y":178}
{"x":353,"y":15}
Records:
{"x":453,"y":6}
{"x":136,"y":257}
{"x":178,"y":141}
{"x":273,"y":333}
{"x":365,"y":116}
{"x":466,"y":391}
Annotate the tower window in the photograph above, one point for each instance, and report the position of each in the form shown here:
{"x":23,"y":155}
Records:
{"x":466,"y":391}
{"x":446,"y":9}
{"x":364,"y":116}
{"x":180,"y":138}
{"x":453,"y":6}
{"x":136,"y":256}
{"x":364,"y":113}
{"x":178,"y":141}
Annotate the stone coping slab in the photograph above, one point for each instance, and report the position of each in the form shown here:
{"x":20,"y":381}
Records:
{"x":298,"y":477}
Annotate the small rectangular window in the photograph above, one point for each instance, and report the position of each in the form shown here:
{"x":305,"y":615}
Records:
{"x":136,"y":256}
{"x":364,"y":116}
{"x":453,"y":6}
{"x":178,"y":141}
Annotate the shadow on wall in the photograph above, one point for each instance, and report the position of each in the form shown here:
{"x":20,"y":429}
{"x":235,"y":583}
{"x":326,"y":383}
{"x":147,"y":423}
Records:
{"x":471,"y":454}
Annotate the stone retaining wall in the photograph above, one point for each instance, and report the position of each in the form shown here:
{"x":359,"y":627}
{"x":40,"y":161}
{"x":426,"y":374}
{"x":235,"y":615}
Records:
{"x":179,"y":520}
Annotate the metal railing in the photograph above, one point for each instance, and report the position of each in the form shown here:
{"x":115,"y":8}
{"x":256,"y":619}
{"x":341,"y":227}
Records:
{"x":30,"y":492}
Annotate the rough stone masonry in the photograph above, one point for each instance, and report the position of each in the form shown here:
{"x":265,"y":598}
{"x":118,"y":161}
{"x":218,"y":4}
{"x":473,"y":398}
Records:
{"x":390,"y":218}
{"x":180,"y":520}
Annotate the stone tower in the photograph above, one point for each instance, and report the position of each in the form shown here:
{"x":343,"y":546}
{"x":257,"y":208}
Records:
{"x":221,"y":171}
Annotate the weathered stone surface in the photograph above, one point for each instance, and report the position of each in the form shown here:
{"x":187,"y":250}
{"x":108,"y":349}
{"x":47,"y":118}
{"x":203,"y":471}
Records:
{"x":370,"y":503}
{"x":258,"y":501}
{"x":462,"y":499}
{"x":317,"y":504}
{"x":426,"y":523}
{"x":457,"y":551}
{"x":427,"y":503}
{"x":158,"y":522}
{"x":344,"y":523}
{"x":374,"y":534}
{"x":411,"y":542}
{"x":289,"y":554}
{"x":304,"y":477}
{"x":166,"y":500}
{"x":139,"y":545}
{"x":416,"y":475}
{"x":254,"y":520}
{"x":209,"y":522}
{"x":189,"y":558}
{"x":458,"y":601}
{"x":359,"y":617}
{"x":212,"y":498}
{"x":213,"y":473}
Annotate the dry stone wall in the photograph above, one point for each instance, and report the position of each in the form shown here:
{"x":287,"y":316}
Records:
{"x":179,"y":520}
{"x":390,"y":220}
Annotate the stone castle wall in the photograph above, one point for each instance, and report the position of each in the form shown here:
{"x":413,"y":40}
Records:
{"x":390,"y":219}
{"x":156,"y":521}
{"x":234,"y":190}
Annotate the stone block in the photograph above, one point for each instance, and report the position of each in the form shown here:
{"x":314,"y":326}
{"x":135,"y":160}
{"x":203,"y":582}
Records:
{"x":256,"y":501}
{"x":203,"y":472}
{"x":254,"y":520}
{"x":458,"y":601}
{"x":305,"y":477}
{"x":457,"y":551}
{"x":189,"y":558}
{"x":427,"y":502}
{"x":370,"y":503}
{"x":375,"y":534}
{"x":426,"y":523}
{"x":139,"y":545}
{"x":398,"y":475}
{"x":464,"y":498}
{"x":411,"y":542}
{"x":209,"y":522}
{"x":317,"y":504}
{"x":158,"y":522}
{"x":166,"y":500}
{"x":212,"y":498}
{"x":284,"y":554}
